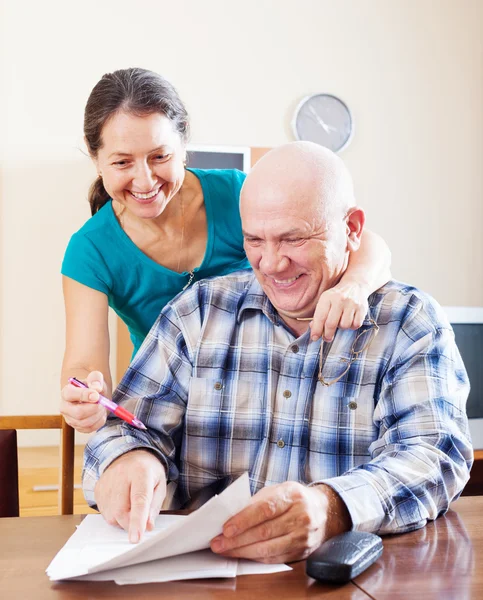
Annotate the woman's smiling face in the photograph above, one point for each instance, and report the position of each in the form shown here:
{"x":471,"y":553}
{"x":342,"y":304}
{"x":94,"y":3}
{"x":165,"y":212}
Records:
{"x":141,"y":162}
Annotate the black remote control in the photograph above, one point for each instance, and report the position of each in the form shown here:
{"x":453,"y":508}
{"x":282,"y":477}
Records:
{"x":344,"y":557}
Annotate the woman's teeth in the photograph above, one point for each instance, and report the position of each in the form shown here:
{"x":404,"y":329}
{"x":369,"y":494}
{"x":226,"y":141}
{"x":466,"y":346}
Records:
{"x":145,"y":196}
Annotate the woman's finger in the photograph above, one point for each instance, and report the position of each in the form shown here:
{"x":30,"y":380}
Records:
{"x":320,"y":315}
{"x":93,"y":422}
{"x":347,"y":318}
{"x":359,"y":316}
{"x":81,"y":411}
{"x":332,"y":322}
{"x":85,"y":418}
{"x":95,"y":380}
{"x":71,"y":393}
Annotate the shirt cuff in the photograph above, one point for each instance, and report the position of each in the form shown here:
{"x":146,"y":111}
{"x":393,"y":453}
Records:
{"x":127,"y":441}
{"x":365,"y":506}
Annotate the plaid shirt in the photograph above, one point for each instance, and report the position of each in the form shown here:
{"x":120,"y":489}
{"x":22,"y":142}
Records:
{"x":224,"y":387}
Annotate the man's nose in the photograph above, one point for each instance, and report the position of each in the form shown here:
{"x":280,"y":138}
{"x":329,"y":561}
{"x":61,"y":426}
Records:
{"x":272,"y":261}
{"x":144,"y":178}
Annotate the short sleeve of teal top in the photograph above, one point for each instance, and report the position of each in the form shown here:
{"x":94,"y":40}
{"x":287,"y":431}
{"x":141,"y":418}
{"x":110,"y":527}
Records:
{"x":101,"y":256}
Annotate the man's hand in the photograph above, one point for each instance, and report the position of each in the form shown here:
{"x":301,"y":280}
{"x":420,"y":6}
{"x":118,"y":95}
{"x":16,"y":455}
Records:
{"x":344,"y":305}
{"x":283,"y":523}
{"x":131,"y":491}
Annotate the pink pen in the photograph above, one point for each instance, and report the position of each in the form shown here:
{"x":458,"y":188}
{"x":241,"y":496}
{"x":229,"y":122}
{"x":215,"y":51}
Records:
{"x":119,"y":411}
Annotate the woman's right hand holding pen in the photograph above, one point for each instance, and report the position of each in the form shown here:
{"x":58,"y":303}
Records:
{"x":80,"y":407}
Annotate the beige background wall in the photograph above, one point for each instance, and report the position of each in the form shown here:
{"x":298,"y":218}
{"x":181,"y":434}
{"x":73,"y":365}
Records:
{"x":410,"y":70}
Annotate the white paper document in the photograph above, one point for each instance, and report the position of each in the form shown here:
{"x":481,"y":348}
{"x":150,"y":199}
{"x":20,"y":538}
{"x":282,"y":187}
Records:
{"x":177,"y":548}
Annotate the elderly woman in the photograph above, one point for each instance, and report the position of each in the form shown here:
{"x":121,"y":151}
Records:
{"x":156,"y":227}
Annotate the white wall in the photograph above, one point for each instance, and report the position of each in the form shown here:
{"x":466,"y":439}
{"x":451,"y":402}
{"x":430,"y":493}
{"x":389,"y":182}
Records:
{"x":410,"y":70}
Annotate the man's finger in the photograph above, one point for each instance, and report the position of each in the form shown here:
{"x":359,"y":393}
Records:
{"x":158,"y":499}
{"x":141,"y":495}
{"x":271,"y":529}
{"x":123,"y":520}
{"x":278,"y":550}
{"x":266,"y":505}
{"x":113,"y":507}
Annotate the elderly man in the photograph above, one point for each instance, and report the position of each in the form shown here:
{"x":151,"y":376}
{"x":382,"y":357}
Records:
{"x":368,"y":432}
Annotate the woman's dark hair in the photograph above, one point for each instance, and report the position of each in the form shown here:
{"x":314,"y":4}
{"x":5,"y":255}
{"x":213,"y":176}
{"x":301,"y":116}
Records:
{"x":135,"y":91}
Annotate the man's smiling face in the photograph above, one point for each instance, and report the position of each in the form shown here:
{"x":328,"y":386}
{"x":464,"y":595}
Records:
{"x":294,"y":255}
{"x":295,"y":213}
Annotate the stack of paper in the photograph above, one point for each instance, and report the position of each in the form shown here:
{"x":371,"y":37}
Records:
{"x":175,"y":549}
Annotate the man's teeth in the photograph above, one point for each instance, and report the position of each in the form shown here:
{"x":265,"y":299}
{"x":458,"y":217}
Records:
{"x":145,"y":196}
{"x":286,"y":280}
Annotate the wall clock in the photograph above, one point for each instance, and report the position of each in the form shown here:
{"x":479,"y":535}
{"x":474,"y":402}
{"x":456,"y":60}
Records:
{"x":325,"y":120}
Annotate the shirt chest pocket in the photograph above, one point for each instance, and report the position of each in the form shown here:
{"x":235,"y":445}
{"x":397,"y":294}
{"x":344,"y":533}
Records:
{"x":221,"y":408}
{"x":342,"y":420}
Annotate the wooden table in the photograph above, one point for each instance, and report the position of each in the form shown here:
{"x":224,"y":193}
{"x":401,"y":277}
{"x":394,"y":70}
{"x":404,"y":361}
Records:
{"x":442,"y":561}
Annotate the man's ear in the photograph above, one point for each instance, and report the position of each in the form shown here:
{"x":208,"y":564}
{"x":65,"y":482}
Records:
{"x":355,"y":220}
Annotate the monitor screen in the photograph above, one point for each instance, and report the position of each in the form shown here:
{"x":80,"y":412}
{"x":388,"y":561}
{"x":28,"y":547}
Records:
{"x":219,"y":157}
{"x":469,"y":339}
{"x":467,"y":323}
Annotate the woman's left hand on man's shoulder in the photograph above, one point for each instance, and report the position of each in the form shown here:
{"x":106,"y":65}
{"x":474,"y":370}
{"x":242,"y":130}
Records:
{"x":344,"y":305}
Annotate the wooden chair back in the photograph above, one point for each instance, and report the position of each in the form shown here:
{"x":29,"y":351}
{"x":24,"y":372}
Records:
{"x":9,"y":476}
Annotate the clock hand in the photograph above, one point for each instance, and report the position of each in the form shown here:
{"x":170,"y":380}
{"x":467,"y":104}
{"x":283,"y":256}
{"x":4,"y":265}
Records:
{"x":324,"y":126}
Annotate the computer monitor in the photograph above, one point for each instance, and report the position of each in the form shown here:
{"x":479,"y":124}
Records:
{"x":467,"y":323}
{"x":219,"y":157}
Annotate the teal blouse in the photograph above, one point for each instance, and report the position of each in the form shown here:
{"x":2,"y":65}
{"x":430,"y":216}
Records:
{"x":101,"y":256}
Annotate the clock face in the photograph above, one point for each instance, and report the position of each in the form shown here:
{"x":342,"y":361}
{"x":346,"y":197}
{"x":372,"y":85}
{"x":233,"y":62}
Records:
{"x":325,"y":120}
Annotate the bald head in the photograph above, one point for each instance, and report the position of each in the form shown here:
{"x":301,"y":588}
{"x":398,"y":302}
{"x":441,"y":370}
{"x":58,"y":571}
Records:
{"x":300,"y":224}
{"x":303,"y":174}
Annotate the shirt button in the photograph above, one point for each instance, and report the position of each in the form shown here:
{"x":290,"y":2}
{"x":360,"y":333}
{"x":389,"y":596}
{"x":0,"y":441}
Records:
{"x":295,"y":348}
{"x":287,"y":394}
{"x":280,"y":443}
{"x":352,"y":405}
{"x":218,"y":385}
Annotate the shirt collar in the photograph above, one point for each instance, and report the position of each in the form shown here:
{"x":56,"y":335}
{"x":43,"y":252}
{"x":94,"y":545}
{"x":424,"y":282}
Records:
{"x":256,"y":299}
